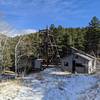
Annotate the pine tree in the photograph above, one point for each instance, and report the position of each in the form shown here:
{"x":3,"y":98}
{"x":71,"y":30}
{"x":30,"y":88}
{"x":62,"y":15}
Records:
{"x":92,"y":37}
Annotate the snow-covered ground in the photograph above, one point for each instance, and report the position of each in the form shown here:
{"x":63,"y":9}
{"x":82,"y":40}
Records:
{"x":53,"y":84}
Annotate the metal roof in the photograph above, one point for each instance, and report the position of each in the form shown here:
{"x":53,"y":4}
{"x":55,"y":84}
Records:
{"x":82,"y":52}
{"x":84,"y":56}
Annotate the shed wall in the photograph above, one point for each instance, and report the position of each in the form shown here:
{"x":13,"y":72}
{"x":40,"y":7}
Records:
{"x":87,"y":66}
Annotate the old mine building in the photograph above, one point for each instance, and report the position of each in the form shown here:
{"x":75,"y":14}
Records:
{"x":78,"y":62}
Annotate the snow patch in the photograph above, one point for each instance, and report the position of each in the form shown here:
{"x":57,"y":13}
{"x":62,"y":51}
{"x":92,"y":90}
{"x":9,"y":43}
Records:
{"x":48,"y":86}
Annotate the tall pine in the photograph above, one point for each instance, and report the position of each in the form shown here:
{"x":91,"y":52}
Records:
{"x":92,"y":43}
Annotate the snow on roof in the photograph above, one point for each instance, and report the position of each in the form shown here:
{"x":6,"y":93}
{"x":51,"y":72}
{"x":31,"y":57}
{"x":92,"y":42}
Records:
{"x":82,"y":52}
{"x":84,"y":56}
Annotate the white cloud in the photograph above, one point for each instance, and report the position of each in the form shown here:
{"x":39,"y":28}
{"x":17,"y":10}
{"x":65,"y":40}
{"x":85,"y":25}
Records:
{"x":6,"y":28}
{"x":14,"y":32}
{"x":21,"y":32}
{"x":29,"y":31}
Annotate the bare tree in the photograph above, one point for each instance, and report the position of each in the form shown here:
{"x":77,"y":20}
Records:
{"x":22,"y":49}
{"x":5,"y":29}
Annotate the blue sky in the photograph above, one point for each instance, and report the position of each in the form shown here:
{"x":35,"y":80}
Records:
{"x":36,"y":14}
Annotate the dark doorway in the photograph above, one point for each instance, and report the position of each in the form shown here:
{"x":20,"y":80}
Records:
{"x":73,"y":67}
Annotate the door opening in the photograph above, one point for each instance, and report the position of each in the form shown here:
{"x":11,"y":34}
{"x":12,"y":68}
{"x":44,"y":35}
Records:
{"x":73,"y":67}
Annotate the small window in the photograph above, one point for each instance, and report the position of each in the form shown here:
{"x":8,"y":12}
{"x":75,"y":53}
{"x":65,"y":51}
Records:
{"x":66,"y":64}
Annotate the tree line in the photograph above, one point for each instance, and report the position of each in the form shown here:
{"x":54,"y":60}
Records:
{"x":85,"y":38}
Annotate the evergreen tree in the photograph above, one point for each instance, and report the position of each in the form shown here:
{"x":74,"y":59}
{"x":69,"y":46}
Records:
{"x":92,"y":43}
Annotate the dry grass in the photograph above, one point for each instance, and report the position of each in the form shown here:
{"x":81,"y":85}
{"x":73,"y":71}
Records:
{"x":9,"y":89}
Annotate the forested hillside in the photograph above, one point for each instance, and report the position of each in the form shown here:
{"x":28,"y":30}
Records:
{"x":86,"y":38}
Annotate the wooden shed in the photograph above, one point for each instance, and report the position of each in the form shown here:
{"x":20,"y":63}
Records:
{"x":79,"y":62}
